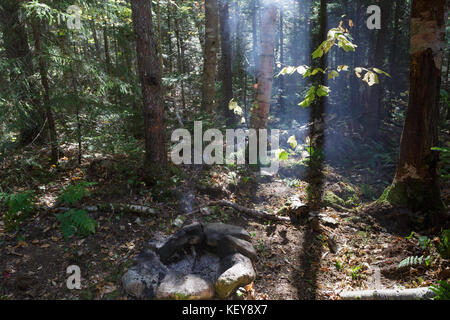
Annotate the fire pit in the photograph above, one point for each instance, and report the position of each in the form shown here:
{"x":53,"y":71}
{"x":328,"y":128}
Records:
{"x":199,"y":261}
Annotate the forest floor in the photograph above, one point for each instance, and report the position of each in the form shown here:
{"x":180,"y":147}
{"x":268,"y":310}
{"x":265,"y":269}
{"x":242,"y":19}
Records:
{"x":350,"y":244}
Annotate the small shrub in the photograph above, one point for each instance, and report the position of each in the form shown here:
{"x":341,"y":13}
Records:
{"x":414,"y":261}
{"x":76,"y":222}
{"x":20,"y":205}
{"x":444,"y":245}
{"x":75,"y":192}
{"x":442,"y":290}
{"x":356,"y":272}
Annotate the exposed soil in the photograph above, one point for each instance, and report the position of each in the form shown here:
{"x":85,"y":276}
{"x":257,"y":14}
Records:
{"x":312,"y":259}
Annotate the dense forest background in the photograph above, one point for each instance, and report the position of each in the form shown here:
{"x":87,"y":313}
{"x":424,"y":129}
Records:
{"x":88,"y":108}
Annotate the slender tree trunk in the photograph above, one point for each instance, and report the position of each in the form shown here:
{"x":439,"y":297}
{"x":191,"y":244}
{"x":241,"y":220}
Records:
{"x":210,"y":55}
{"x":158,"y":21}
{"x":416,"y":182}
{"x":261,"y":109}
{"x":393,"y":67}
{"x":44,"y":79}
{"x":96,"y":42}
{"x":106,"y":45}
{"x":150,"y":77}
{"x":180,"y":59}
{"x":354,"y":82}
{"x":227,"y":73}
{"x":169,"y":38}
{"x":317,"y":122}
{"x":15,"y":42}
{"x":254,"y":37}
{"x":375,"y":114}
{"x":281,"y":89}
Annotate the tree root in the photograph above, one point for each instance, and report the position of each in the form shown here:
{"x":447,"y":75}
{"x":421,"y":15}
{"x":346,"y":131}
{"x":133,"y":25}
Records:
{"x":252,"y":212}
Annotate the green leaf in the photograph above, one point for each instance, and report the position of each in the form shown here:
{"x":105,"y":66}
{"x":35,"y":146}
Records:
{"x":323,"y":91}
{"x":371,"y":78}
{"x":333,"y":74}
{"x":292,"y":142}
{"x":302,"y":69}
{"x":282,"y":154}
{"x":233,"y":106}
{"x":309,"y":98}
{"x":379,"y":71}
{"x":318,"y":53}
{"x":342,"y":68}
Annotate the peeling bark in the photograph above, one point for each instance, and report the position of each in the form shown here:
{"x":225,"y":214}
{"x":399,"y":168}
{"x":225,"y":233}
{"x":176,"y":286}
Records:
{"x":416,"y":182}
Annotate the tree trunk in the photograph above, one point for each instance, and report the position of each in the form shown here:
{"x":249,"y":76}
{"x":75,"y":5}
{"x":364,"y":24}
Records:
{"x":96,"y":42}
{"x":260,"y":111}
{"x":281,"y":79}
{"x":158,"y":21}
{"x":150,"y":78}
{"x":254,"y":38}
{"x":354,"y":82}
{"x":210,"y":55}
{"x":44,"y":80}
{"x":416,"y":182}
{"x":15,"y":42}
{"x":106,"y":45}
{"x":227,"y":73}
{"x":374,"y":114}
{"x":180,"y":58}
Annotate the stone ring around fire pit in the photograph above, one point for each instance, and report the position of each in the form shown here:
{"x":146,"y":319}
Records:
{"x":199,"y":261}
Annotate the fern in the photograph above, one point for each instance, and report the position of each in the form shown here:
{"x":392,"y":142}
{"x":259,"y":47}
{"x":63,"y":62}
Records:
{"x":74,"y":193}
{"x":19,"y":207}
{"x":414,"y":261}
{"x":442,"y":290}
{"x":76,"y":222}
{"x":444,"y":245}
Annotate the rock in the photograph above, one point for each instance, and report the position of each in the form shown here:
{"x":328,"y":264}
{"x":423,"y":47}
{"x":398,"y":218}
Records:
{"x":240,"y":274}
{"x":232,"y":245}
{"x":205,"y":211}
{"x":215,"y":232}
{"x":329,"y":221}
{"x":133,"y":283}
{"x":191,"y":234}
{"x":156,"y":242}
{"x":185,"y":287}
{"x":178,"y":222}
{"x":142,"y":280}
{"x":241,"y":293}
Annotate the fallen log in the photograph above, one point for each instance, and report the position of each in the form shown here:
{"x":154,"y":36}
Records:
{"x":424,"y":293}
{"x":114,"y":207}
{"x":252,"y":212}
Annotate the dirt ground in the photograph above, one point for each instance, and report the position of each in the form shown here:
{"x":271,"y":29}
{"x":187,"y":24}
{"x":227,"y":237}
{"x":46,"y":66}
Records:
{"x":315,"y":258}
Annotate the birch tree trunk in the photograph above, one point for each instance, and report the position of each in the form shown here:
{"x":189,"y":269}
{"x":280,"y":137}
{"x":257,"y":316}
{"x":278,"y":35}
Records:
{"x":260,"y":111}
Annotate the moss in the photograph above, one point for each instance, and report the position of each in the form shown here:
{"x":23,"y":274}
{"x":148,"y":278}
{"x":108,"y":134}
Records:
{"x":414,"y":194}
{"x":383,"y":198}
{"x":331,"y":199}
